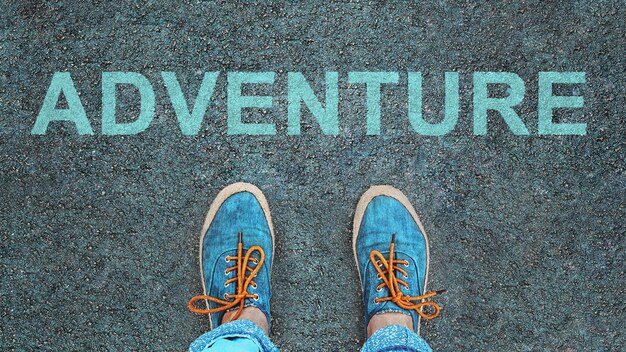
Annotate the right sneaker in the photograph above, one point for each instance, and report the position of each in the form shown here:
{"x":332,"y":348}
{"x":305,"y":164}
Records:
{"x":391,"y":252}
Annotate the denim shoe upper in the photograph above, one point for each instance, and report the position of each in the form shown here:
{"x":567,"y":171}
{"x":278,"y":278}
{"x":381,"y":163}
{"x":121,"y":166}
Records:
{"x":385,"y":216}
{"x":239,"y":213}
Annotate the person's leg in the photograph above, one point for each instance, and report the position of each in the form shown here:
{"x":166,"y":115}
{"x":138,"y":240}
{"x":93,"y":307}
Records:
{"x":240,"y":335}
{"x":236,"y":252}
{"x":391,"y":252}
{"x":395,"y":338}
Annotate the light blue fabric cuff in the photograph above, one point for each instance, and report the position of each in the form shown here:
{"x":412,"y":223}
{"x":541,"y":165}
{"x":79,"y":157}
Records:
{"x":239,"y":344}
{"x":395,"y":338}
{"x":236,"y":329}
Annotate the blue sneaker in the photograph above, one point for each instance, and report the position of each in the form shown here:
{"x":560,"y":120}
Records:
{"x":236,"y":247}
{"x":391,"y":252}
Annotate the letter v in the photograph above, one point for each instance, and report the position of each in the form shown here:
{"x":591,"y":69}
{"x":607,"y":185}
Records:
{"x":190,"y":123}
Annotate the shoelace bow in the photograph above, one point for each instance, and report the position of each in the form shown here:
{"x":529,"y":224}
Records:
{"x":242,"y":279}
{"x":388,"y":275}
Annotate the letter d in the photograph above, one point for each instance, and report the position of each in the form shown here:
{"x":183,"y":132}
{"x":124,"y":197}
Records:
{"x":109,"y":82}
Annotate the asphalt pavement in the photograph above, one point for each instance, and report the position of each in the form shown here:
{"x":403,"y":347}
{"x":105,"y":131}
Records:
{"x":98,"y":234}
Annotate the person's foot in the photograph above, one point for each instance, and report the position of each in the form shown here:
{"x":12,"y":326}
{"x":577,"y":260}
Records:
{"x":236,"y":251}
{"x":391,"y":252}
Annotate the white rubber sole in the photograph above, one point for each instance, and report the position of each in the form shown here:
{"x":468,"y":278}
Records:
{"x":365,"y":199}
{"x":216,"y":204}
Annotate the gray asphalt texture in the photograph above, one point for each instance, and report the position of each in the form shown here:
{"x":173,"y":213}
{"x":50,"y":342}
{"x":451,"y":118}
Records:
{"x":99,"y":234}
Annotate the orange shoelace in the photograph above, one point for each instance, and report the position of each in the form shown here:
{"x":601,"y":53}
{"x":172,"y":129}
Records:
{"x":242,"y":278}
{"x":388,"y":275}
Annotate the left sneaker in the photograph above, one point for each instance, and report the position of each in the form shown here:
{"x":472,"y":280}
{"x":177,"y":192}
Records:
{"x":236,"y":252}
{"x":391,"y":252}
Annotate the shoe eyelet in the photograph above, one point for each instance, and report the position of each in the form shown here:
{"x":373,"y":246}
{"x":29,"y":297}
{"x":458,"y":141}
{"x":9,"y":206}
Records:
{"x":226,"y":259}
{"x":378,"y":276}
{"x":405,"y":276}
{"x":225,"y":296}
{"x":226,"y":284}
{"x":256,"y":297}
{"x":254,"y":286}
{"x":378,"y":289}
{"x":226,"y":272}
{"x":406,"y":264}
{"x":375,"y":301}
